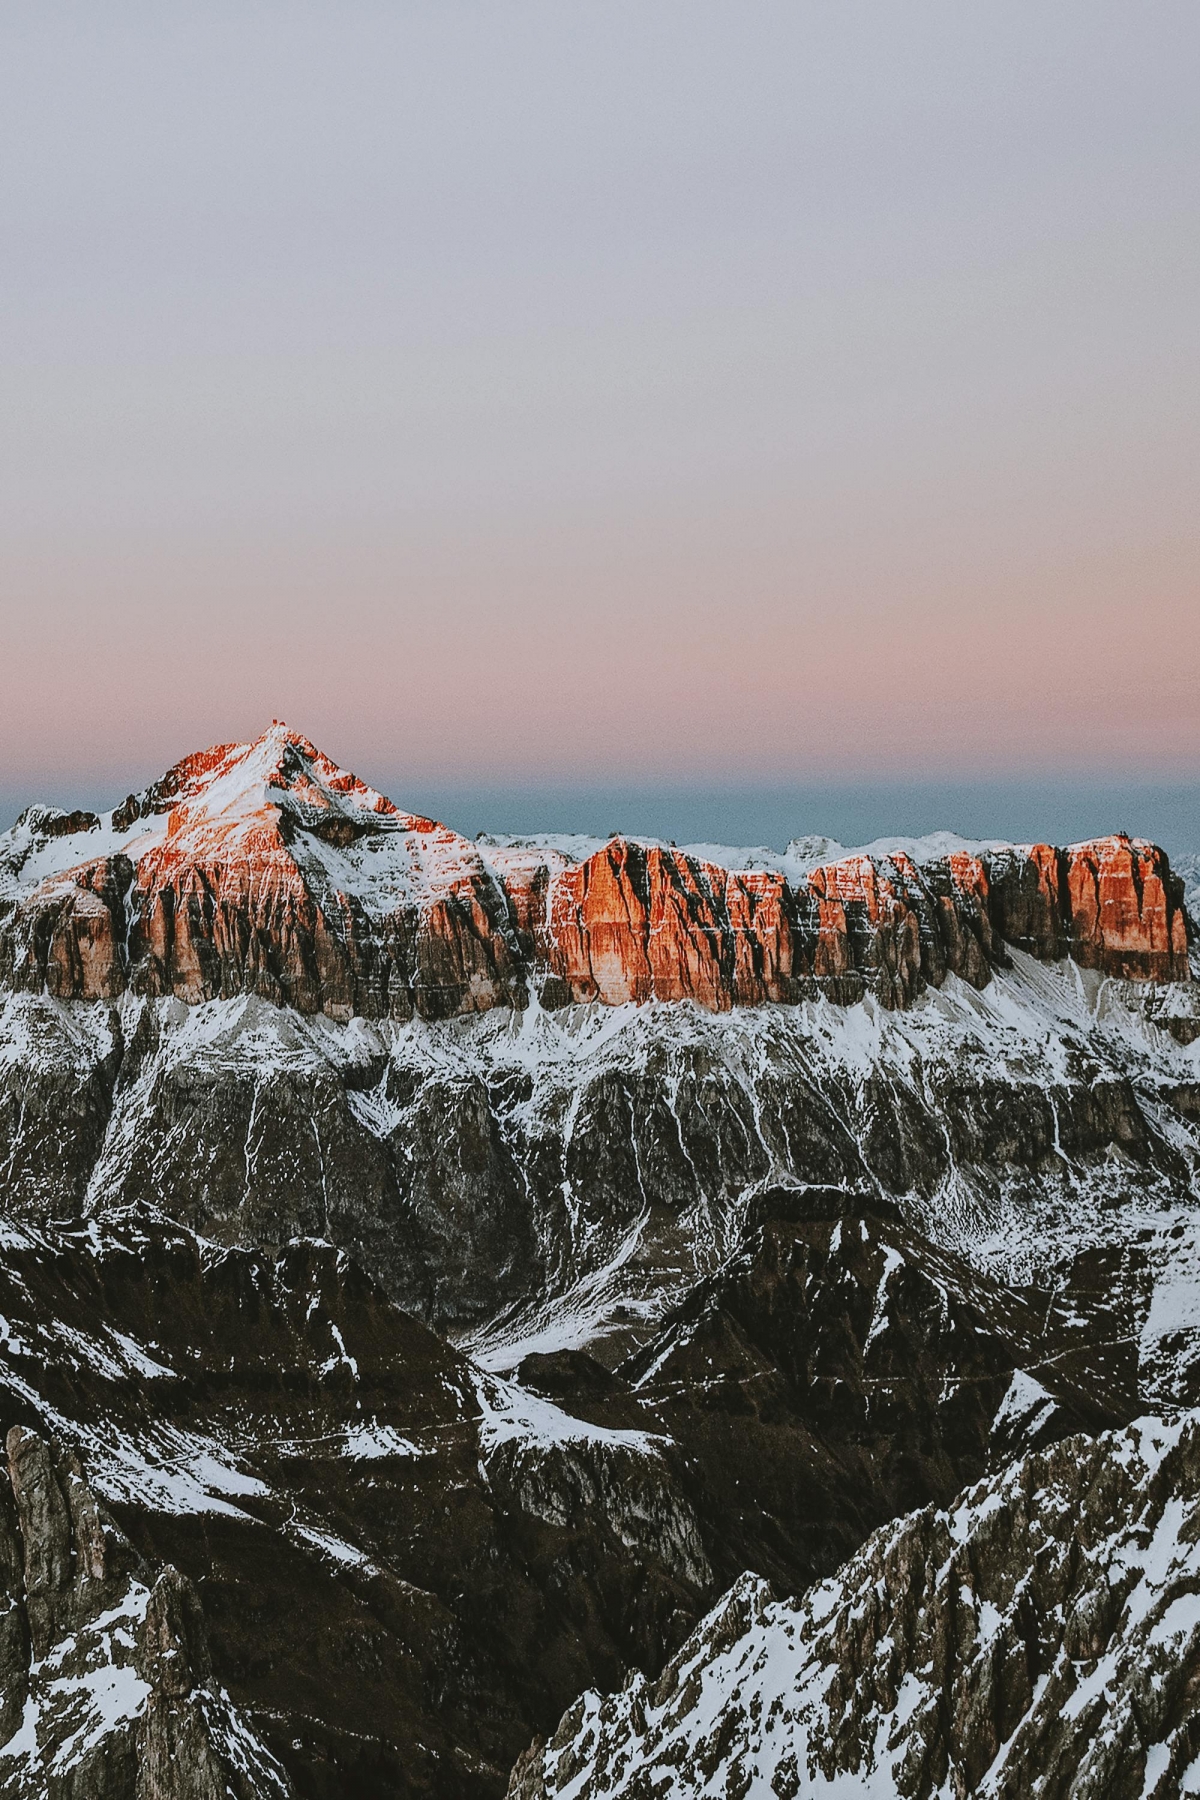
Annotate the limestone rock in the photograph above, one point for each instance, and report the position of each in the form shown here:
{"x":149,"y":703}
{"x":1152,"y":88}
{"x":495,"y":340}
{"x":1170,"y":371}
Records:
{"x":106,"y":1689}
{"x":1039,"y":1635}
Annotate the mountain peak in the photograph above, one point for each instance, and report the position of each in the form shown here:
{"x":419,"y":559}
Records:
{"x":230,"y":788}
{"x":266,"y":867}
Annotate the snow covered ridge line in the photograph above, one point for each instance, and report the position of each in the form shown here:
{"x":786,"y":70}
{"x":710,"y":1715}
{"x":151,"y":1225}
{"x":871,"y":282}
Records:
{"x":265,"y":868}
{"x":540,"y":1176}
{"x":1043,"y":1633}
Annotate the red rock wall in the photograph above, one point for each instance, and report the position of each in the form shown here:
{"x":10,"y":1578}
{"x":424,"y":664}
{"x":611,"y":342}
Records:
{"x":636,"y":924}
{"x":1125,"y":915}
{"x":632,"y":923}
{"x":69,"y":938}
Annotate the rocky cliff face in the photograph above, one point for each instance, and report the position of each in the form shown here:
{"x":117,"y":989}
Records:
{"x":407,"y":1566}
{"x":106,"y":1683}
{"x":768,"y":1200}
{"x":1040,"y":1636}
{"x":265,"y":869}
{"x":636,"y":922}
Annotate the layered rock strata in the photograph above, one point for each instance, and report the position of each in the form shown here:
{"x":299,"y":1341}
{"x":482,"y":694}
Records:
{"x":264,"y":868}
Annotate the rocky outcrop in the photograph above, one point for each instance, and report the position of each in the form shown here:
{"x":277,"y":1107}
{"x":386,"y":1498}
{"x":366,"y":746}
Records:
{"x":69,"y":937}
{"x":265,"y":869}
{"x":557,"y":1467}
{"x":639,"y":922}
{"x":633,"y":923}
{"x":860,"y":1372}
{"x":406,"y":1567}
{"x":1040,"y":1636}
{"x":1126,"y":913}
{"x":106,"y":1684}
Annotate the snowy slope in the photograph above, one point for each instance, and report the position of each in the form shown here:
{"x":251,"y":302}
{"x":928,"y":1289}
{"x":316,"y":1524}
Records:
{"x":543,"y":1178}
{"x":1040,"y":1635}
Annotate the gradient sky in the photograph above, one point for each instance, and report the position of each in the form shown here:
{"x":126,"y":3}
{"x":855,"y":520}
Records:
{"x":641,"y":393}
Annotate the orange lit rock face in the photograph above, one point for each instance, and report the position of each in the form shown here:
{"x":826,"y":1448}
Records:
{"x":633,"y":924}
{"x":266,"y":869}
{"x":1111,"y":905}
{"x":68,"y":937}
{"x":865,"y":920}
{"x":1125,"y":914}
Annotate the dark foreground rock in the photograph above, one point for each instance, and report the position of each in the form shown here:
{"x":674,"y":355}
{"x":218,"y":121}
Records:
{"x":1041,"y":1636}
{"x":406,"y":1566}
{"x":106,"y":1684}
{"x":409,"y":1566}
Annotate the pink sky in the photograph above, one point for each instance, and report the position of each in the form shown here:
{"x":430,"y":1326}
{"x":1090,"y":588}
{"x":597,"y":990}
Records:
{"x":728,"y":392}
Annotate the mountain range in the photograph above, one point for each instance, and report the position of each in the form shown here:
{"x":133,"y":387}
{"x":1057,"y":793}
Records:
{"x":444,"y":1282}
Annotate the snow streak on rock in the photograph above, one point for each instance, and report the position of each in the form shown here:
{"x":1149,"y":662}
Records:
{"x":542,"y":1178}
{"x":1040,"y":1636}
{"x":106,"y":1684}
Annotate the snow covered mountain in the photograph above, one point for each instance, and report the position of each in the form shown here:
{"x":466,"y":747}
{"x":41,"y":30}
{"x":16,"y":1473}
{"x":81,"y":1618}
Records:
{"x":460,"y":1261}
{"x":264,"y":868}
{"x":260,"y":998}
{"x":1041,"y":1636}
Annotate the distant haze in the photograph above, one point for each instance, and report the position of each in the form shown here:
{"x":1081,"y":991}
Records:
{"x":608,"y":407}
{"x":1019,"y":811}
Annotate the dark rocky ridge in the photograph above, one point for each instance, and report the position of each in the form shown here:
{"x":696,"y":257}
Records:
{"x":859,"y":1372}
{"x":1042,"y":1636}
{"x":472,"y":1176}
{"x":106,"y":1683}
